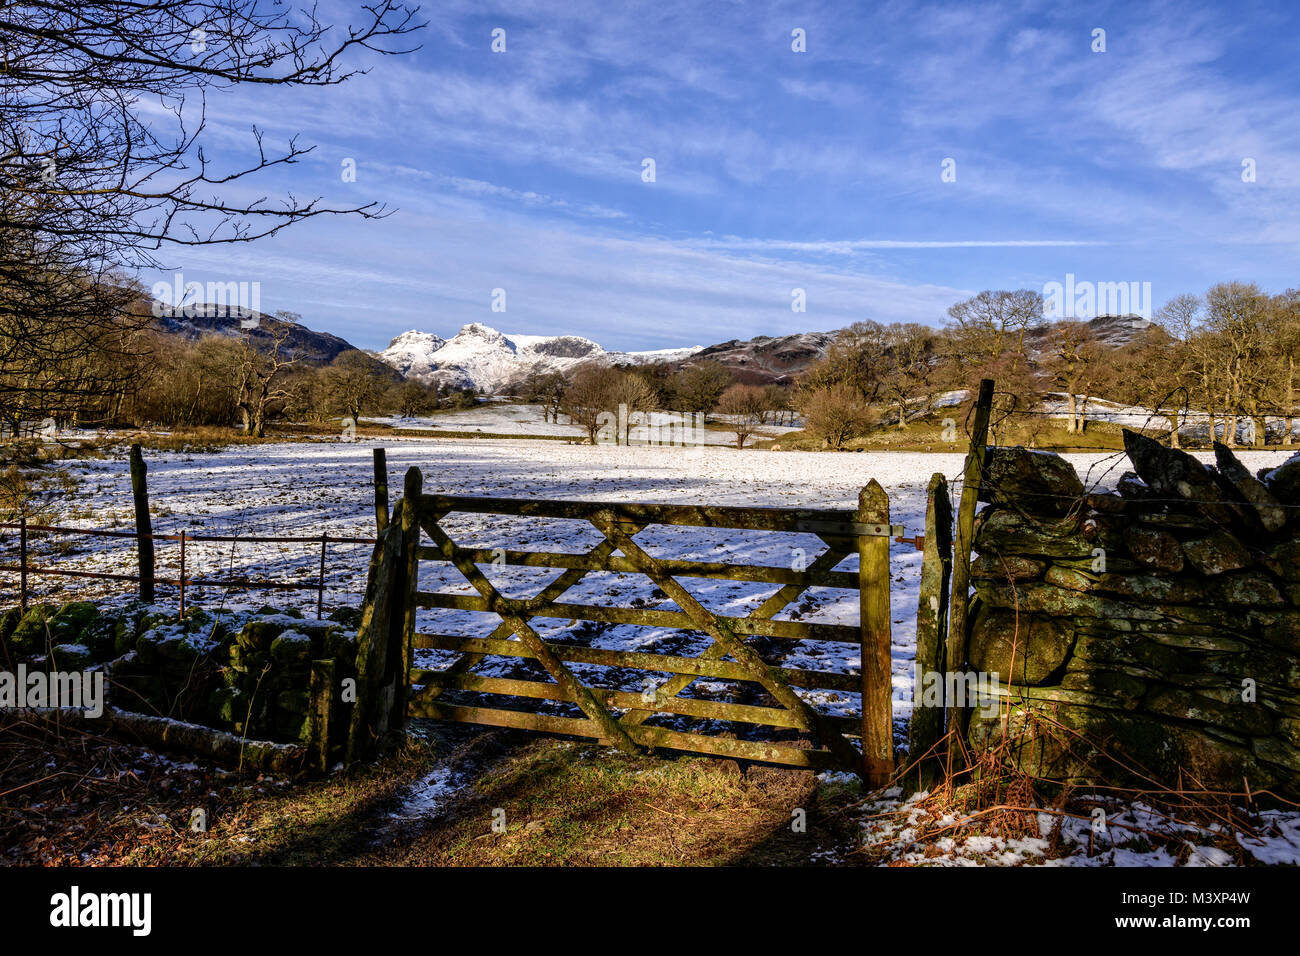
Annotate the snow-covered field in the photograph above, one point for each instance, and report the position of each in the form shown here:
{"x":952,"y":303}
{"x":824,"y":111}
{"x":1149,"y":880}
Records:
{"x":507,"y":418}
{"x":1194,"y":425}
{"x":325,"y":487}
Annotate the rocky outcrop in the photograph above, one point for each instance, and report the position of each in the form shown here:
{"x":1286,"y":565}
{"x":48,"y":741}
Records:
{"x":1153,"y":632}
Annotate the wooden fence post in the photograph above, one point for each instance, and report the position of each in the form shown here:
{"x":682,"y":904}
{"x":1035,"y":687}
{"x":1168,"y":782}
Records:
{"x":960,"y":598}
{"x":320,"y":578}
{"x":370,"y":712}
{"x":926,"y":729}
{"x":381,"y":490}
{"x":22,"y":561}
{"x":182,"y":614}
{"x":143,"y":523}
{"x":877,"y":684}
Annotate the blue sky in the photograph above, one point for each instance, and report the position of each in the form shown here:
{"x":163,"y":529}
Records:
{"x":774,"y":170}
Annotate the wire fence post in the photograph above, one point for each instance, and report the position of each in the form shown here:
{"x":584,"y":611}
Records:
{"x":182,"y":574}
{"x":381,"y":490}
{"x":143,"y":523}
{"x":320,"y":579}
{"x":22,"y":562}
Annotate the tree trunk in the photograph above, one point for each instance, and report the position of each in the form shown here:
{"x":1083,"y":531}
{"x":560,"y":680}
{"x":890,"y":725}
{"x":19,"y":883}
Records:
{"x":1071,"y":412}
{"x":1289,"y":393}
{"x":258,"y":425}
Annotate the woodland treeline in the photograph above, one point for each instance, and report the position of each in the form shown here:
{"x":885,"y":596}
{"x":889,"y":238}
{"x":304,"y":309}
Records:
{"x":1227,"y":357}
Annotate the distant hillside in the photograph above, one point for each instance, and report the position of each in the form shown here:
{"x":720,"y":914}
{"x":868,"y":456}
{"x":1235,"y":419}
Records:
{"x":307,"y":345}
{"x":782,"y":359}
{"x":1114,"y":331}
{"x":766,"y":359}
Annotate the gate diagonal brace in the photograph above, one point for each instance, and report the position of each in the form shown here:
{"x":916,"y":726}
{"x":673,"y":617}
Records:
{"x":508,"y":609}
{"x":769,"y":609}
{"x":721,"y":632}
{"x":549,"y":594}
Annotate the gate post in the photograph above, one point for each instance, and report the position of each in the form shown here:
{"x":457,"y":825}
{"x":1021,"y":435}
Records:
{"x":957,"y":718}
{"x":384,"y":636}
{"x":877,"y":689}
{"x":402,"y":635}
{"x":926,"y":729}
{"x":323,"y":687}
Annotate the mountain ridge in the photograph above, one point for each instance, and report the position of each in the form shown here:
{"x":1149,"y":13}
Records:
{"x":485,"y":358}
{"x":481,"y":357}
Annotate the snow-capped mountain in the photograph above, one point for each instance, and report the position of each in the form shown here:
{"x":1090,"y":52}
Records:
{"x":489,"y":360}
{"x":409,"y":353}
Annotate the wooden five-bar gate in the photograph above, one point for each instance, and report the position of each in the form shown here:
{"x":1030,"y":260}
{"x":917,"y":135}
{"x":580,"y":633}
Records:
{"x":391,"y":688}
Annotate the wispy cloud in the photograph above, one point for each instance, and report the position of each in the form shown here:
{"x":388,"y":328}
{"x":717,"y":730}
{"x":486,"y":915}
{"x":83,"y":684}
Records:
{"x":776,"y":169}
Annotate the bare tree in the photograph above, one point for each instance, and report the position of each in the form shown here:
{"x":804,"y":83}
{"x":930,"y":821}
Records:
{"x":910,"y":368}
{"x":1235,"y":315}
{"x":836,"y":414}
{"x":352,"y":383}
{"x":743,"y":406}
{"x":1283,"y":324}
{"x":261,"y":378}
{"x":987,"y":335}
{"x":858,"y":359}
{"x":630,"y":395}
{"x":95,"y":184}
{"x":590,"y":397}
{"x":547,"y":390}
{"x":411,"y":398}
{"x":776,"y":405}
{"x":1073,"y":363}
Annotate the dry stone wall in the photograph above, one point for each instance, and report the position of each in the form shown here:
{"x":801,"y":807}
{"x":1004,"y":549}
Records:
{"x":246,"y":673}
{"x":1147,"y":634}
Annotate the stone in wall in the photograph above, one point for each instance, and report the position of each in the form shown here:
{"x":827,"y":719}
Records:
{"x":1032,"y":480}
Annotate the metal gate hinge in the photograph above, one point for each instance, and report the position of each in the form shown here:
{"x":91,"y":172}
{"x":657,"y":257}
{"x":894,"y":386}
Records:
{"x":851,"y":528}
